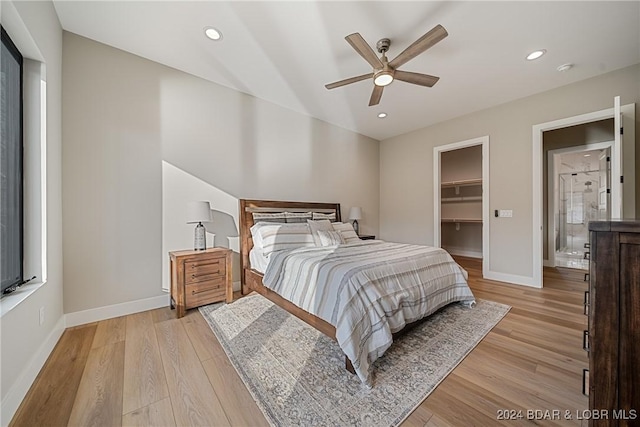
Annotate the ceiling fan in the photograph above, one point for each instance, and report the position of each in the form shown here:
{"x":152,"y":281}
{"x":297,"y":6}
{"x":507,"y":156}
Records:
{"x":385,"y":72}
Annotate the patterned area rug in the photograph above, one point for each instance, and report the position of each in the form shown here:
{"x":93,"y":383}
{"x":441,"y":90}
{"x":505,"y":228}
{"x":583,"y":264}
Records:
{"x":296,"y":374}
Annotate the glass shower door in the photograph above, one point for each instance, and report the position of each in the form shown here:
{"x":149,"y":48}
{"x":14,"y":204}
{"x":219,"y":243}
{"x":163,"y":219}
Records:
{"x":579,"y":204}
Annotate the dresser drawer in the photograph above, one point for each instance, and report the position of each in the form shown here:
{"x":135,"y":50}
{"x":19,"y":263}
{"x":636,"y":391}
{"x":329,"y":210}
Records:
{"x":204,"y":270}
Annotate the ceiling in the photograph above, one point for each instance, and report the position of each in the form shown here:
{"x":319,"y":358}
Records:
{"x":285,"y":52}
{"x":580,"y":161}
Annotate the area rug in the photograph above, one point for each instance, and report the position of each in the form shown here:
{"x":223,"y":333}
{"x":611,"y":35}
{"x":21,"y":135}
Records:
{"x":296,"y":374}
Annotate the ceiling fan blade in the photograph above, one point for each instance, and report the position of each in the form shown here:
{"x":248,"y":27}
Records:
{"x":376,"y":95}
{"x":436,"y":34}
{"x":348,"y":81}
{"x":362,"y":47}
{"x":416,"y":78}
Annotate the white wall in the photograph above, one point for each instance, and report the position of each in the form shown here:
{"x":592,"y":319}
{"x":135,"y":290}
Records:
{"x":25,"y":344}
{"x":178,"y":189}
{"x":125,"y":117}
{"x":406,"y":189}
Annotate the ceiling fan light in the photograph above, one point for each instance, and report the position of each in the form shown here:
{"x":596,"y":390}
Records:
{"x":383,"y":78}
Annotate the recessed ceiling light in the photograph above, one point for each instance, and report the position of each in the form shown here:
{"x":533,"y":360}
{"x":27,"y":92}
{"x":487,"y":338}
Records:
{"x":382,"y":115}
{"x":536,"y":54}
{"x":213,"y":33}
{"x":587,"y":155}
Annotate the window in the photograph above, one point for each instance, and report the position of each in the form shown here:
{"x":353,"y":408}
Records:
{"x":11,"y":167}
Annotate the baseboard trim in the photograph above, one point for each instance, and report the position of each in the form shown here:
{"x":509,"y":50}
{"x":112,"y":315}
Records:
{"x":18,"y":391}
{"x":115,"y":310}
{"x":512,"y":278}
{"x":463,"y":252}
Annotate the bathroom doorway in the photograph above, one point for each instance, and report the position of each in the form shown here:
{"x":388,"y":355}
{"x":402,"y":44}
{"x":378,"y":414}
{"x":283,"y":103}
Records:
{"x":581,"y":193}
{"x":622,"y":183}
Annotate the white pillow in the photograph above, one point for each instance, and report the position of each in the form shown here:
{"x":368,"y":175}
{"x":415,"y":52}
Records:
{"x":347,"y":232}
{"x":255,"y":232}
{"x":296,"y":217}
{"x":269,"y":217}
{"x":257,"y":238}
{"x":280,"y":237}
{"x":319,"y":215}
{"x":315,"y":226}
{"x":329,"y":238}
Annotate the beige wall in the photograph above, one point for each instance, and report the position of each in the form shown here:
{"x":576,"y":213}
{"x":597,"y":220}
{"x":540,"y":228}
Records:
{"x":406,"y":189}
{"x":461,"y":164}
{"x":125,"y":117}
{"x":25,"y":343}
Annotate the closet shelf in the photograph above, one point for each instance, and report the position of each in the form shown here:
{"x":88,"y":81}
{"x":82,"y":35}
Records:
{"x":462,"y":183}
{"x":470,"y":220}
{"x":461,"y":199}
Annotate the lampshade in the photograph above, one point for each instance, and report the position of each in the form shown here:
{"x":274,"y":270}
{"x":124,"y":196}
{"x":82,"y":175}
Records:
{"x":198,"y":212}
{"x":355,"y":213}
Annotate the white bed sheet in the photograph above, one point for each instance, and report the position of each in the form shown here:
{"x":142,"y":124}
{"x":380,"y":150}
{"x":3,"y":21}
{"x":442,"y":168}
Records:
{"x":258,"y":260}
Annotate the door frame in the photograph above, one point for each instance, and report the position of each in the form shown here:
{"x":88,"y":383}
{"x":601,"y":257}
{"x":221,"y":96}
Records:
{"x":437,"y":151}
{"x":537,"y":178}
{"x":552,"y":182}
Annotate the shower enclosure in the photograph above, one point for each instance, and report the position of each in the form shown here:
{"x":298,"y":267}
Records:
{"x":582,"y":197}
{"x":578,"y":205}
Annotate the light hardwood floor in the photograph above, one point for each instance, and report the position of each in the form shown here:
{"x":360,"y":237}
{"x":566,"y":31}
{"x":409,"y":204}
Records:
{"x":151,"y":369}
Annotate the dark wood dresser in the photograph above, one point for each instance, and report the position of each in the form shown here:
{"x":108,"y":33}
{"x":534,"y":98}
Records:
{"x":613,"y":338}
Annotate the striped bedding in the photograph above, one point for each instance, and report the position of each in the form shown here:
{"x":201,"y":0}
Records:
{"x":368,"y":290}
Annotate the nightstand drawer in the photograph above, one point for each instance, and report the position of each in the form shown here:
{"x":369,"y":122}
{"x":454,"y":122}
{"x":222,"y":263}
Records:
{"x":201,"y":271}
{"x":208,"y":285}
{"x":197,"y":296}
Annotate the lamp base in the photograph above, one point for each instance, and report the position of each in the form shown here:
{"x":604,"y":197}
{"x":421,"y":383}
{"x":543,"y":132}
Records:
{"x":200,"y":238}
{"x":356,"y":228}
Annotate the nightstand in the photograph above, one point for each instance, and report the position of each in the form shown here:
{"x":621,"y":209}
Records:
{"x":367,"y":237}
{"x":199,"y":278}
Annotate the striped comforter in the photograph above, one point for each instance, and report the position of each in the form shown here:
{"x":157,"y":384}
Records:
{"x":368,"y":290}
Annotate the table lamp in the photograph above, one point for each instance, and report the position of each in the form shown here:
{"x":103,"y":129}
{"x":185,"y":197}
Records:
{"x":355,"y":214}
{"x":197,"y":213}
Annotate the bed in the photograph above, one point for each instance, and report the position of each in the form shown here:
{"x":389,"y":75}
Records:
{"x":358,"y":293}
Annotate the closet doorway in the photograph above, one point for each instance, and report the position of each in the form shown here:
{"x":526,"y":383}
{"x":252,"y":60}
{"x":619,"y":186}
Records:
{"x":461,"y":199}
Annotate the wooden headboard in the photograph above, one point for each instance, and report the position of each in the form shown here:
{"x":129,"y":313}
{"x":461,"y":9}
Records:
{"x":248,"y":207}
